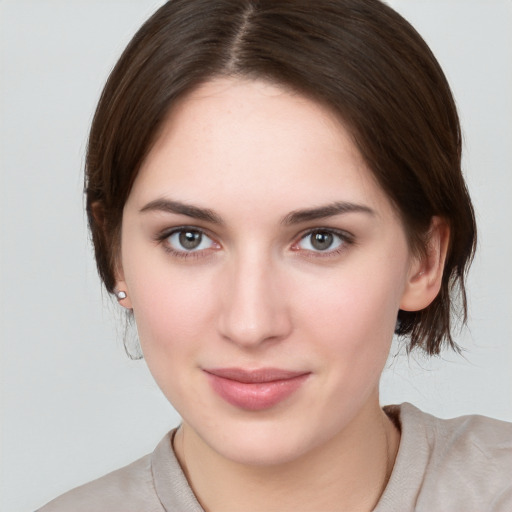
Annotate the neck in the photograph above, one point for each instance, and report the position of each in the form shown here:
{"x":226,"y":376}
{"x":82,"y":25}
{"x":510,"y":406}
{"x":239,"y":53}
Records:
{"x":351,"y":470}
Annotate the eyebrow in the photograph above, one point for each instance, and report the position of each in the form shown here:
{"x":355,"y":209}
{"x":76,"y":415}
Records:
{"x":323,"y":212}
{"x":294,"y":217}
{"x":195,"y":212}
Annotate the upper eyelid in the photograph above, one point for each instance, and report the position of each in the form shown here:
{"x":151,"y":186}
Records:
{"x":335,"y":231}
{"x":167,"y":232}
{"x":162,"y":235}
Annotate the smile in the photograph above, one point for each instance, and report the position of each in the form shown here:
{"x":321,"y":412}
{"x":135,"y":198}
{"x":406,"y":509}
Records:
{"x":255,"y":390}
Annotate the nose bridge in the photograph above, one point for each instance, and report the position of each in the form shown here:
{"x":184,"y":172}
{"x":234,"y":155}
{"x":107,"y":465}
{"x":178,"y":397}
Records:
{"x":254,"y":307}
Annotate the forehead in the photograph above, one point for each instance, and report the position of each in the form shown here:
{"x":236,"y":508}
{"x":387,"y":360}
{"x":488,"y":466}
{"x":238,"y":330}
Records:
{"x":233,"y":138}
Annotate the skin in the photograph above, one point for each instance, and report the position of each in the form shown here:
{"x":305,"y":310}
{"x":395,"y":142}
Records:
{"x":257,"y":293}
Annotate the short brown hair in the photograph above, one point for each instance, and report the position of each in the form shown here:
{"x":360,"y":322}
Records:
{"x":358,"y":57}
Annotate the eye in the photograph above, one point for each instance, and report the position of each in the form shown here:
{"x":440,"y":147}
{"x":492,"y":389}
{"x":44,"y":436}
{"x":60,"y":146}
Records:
{"x":322,"y":240}
{"x":189,"y":240}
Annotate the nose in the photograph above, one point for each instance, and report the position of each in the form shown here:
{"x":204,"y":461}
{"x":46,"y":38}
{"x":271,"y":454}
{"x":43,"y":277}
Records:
{"x":254,"y":306}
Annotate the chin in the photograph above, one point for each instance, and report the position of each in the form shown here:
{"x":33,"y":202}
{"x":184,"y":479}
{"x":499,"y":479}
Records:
{"x":262,"y":444}
{"x":273,"y":454}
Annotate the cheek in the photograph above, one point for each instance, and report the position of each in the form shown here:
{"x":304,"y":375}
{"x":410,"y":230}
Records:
{"x":172,"y":306}
{"x":353,"y":319}
{"x":354,"y":302}
{"x":174,"y":317}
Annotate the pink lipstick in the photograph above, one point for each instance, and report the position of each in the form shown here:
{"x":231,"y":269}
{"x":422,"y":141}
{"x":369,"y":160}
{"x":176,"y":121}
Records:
{"x":255,"y":390}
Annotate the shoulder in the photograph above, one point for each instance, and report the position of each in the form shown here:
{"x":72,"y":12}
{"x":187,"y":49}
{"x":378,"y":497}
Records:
{"x":454,"y":464}
{"x":154,"y":483}
{"x":464,"y":439}
{"x":127,"y":489}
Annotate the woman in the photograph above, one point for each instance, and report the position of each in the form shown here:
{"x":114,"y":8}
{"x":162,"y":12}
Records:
{"x":273,"y":190}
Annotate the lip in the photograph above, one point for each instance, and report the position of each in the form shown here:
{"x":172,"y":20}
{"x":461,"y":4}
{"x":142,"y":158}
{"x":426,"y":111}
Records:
{"x":255,"y":390}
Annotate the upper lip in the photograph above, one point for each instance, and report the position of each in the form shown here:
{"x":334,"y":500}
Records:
{"x":255,"y":376}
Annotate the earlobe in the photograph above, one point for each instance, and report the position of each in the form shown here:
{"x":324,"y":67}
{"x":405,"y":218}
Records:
{"x":121,"y":289}
{"x":426,"y":272}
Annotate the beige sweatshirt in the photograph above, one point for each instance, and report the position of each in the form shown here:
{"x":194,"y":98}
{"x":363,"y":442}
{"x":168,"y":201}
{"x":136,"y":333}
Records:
{"x":458,"y":465}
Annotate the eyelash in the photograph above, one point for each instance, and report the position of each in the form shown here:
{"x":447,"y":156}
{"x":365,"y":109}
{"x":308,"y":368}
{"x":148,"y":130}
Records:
{"x":346,"y":239}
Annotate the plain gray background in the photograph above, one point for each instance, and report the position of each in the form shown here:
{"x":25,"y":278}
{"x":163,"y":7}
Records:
{"x":73,"y":405}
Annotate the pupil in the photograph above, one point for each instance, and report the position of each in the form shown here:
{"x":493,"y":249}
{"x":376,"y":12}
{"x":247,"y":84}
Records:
{"x":190,"y":239}
{"x":321,"y":241}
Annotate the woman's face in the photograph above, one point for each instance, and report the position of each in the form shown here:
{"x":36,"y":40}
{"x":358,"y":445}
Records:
{"x":265,"y":268}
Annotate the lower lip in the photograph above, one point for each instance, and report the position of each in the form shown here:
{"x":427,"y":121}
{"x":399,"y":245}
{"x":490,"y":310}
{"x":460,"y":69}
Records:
{"x":255,"y":396}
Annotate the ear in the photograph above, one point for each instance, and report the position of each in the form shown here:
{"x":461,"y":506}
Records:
{"x":120,"y":289}
{"x":426,"y":272}
{"x":121,"y":286}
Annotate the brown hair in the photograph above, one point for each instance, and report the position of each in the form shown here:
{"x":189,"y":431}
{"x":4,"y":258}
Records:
{"x":359,"y":57}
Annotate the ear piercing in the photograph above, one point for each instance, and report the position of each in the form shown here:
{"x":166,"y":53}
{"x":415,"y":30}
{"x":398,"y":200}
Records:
{"x":121,"y":295}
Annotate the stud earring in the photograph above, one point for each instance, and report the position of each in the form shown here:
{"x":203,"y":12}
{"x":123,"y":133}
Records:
{"x":121,"y":295}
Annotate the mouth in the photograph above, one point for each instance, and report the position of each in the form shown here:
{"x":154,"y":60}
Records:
{"x":255,"y":390}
